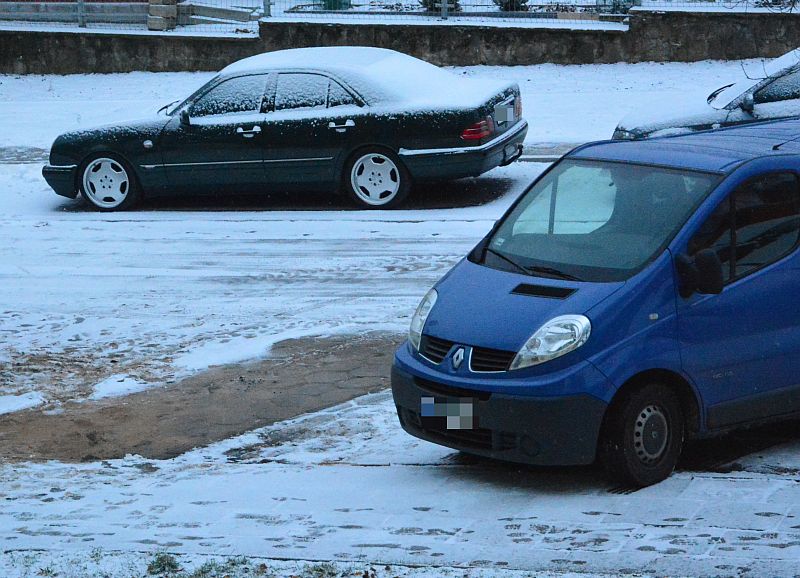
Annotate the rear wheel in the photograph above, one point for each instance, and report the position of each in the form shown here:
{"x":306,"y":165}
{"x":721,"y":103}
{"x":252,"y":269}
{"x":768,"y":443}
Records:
{"x":107,"y":183}
{"x":643,"y":436}
{"x":376,"y":179}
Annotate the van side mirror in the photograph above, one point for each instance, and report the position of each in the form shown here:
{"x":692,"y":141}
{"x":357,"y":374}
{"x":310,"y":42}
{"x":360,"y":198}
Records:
{"x":185,"y":120}
{"x":748,"y":104}
{"x":703,"y":274}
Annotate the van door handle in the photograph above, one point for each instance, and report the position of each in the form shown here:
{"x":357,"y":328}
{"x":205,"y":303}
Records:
{"x":248,"y":133}
{"x":349,"y":123}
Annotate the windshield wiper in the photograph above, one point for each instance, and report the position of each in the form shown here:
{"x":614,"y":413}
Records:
{"x":552,"y":272}
{"x":507,"y":259}
{"x":166,"y":106}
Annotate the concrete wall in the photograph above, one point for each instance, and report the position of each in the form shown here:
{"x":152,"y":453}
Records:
{"x":670,"y":36}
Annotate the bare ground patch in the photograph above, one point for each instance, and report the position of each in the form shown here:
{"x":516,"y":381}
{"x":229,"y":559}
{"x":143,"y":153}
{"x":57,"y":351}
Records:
{"x":301,"y":376}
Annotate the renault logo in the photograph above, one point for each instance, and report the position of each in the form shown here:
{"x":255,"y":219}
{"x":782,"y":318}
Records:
{"x":458,"y":358}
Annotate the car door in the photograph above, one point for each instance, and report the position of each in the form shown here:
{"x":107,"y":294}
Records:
{"x":742,"y":347}
{"x":220,"y":145}
{"x":312,"y":121}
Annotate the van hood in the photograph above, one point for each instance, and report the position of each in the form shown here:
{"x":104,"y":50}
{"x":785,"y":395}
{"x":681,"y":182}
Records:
{"x":476,"y":305}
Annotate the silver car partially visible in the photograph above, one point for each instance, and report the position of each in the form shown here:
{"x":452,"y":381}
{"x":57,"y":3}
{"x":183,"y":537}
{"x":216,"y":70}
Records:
{"x":773,"y":94}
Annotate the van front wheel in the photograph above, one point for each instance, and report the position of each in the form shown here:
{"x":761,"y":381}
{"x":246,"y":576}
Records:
{"x":643,"y":436}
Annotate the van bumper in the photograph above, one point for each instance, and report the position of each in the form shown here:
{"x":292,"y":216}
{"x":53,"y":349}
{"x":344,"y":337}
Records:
{"x":467,"y":161}
{"x":538,"y":430}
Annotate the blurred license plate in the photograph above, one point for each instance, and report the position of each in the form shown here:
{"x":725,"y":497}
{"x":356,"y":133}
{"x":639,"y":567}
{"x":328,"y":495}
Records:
{"x":457,"y":412}
{"x":504,"y":113}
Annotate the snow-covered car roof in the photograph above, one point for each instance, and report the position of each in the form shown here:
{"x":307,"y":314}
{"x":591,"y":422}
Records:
{"x":766,"y":70}
{"x":379,"y":75}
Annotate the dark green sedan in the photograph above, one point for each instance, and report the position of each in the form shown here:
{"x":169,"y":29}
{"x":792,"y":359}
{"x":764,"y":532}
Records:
{"x":366,"y":121}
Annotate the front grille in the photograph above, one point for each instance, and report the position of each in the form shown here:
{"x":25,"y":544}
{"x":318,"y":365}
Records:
{"x":449,"y":391}
{"x":484,"y":359}
{"x":433,"y":348}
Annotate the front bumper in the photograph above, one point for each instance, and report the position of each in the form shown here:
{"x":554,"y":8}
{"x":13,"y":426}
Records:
{"x":533,"y":429}
{"x":468,"y":161}
{"x":61,"y":179}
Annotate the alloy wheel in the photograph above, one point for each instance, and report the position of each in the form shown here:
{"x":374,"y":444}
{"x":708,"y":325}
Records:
{"x":106,"y":183}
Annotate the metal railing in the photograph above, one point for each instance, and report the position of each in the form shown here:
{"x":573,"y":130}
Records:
{"x":242,"y":16}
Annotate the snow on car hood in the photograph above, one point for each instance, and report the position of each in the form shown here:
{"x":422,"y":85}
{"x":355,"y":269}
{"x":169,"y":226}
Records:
{"x":756,"y":74}
{"x":692,"y":113}
{"x":381,"y":75}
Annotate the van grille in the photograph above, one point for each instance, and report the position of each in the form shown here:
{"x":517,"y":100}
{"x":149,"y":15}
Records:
{"x":433,"y":348}
{"x":485,"y":360}
{"x":450,"y":391}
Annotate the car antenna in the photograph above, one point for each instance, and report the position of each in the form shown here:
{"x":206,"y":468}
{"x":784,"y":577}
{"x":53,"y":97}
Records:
{"x":780,"y":144}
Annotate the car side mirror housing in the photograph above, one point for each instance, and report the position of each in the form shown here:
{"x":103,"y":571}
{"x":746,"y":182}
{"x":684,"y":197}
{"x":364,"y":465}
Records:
{"x":185,"y":119}
{"x":748,"y":104}
{"x":703,"y":274}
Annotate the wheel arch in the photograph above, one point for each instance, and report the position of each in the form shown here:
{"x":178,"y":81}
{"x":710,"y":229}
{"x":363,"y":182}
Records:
{"x":690,"y":401}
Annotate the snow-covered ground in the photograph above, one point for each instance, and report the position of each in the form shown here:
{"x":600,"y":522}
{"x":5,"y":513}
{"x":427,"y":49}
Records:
{"x":563,"y":104}
{"x":348,"y":485}
{"x":95,"y":306}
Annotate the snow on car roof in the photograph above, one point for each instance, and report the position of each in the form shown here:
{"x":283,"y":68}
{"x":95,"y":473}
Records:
{"x":380,"y":75}
{"x":720,"y":150}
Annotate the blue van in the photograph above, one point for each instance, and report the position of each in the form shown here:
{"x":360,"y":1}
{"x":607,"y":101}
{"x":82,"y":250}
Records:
{"x":637,"y":294}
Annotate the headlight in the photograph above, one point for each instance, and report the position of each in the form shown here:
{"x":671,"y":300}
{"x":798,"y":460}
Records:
{"x":420,"y":316}
{"x":622,"y":134}
{"x":558,"y":336}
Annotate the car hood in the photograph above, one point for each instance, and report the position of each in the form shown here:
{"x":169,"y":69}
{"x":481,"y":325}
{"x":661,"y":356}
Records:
{"x":646,"y":121}
{"x":150,"y":125}
{"x":476,"y":306}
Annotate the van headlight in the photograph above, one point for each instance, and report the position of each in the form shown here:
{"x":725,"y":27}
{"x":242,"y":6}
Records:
{"x":555,"y":338}
{"x":420,"y":317}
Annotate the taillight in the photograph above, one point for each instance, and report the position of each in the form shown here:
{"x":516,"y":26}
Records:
{"x":518,"y":107}
{"x":479,"y":130}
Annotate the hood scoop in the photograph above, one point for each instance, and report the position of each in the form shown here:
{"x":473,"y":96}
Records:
{"x":546,"y":291}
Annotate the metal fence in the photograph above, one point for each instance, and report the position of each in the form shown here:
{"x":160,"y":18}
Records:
{"x":242,"y":16}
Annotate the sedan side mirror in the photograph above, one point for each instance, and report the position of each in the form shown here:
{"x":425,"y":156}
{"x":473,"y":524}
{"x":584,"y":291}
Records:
{"x":703,"y":274}
{"x":185,"y":119}
{"x":748,"y":104}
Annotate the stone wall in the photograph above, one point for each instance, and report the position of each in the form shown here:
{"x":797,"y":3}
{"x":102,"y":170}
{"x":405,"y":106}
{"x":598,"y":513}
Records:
{"x":652,"y":36}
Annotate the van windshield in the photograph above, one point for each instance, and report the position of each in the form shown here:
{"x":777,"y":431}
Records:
{"x":595,"y":221}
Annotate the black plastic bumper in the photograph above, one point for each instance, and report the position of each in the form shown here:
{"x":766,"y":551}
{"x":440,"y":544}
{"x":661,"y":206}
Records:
{"x":540,"y":431}
{"x":61,"y":180}
{"x":466,"y":161}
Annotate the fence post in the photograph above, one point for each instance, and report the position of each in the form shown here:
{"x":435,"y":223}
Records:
{"x":267,"y":8}
{"x":81,"y":14}
{"x":444,"y":9}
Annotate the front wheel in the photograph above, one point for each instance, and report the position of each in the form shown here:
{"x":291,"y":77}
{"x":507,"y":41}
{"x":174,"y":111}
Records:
{"x":108,"y":184}
{"x":376,"y":179}
{"x":643,"y":436}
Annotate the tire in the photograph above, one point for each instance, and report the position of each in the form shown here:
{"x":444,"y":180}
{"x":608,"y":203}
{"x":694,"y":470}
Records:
{"x":643,"y":436}
{"x":376,"y":178}
{"x":107,"y":183}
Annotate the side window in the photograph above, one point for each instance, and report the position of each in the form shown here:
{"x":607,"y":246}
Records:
{"x":235,"y":96}
{"x":785,"y":87}
{"x":755,"y":226}
{"x":301,"y":91}
{"x":338,"y":96}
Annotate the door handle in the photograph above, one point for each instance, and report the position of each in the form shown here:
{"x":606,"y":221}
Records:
{"x":349,"y":123}
{"x":248,"y":133}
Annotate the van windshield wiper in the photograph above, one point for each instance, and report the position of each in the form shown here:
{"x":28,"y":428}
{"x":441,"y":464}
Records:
{"x":507,"y":259}
{"x":552,"y":272}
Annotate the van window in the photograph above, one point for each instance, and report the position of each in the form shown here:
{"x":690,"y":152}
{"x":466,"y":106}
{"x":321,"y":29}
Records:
{"x":596,"y":220}
{"x":756,"y":225}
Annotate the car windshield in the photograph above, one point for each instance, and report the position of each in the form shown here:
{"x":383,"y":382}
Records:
{"x":595,"y":221}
